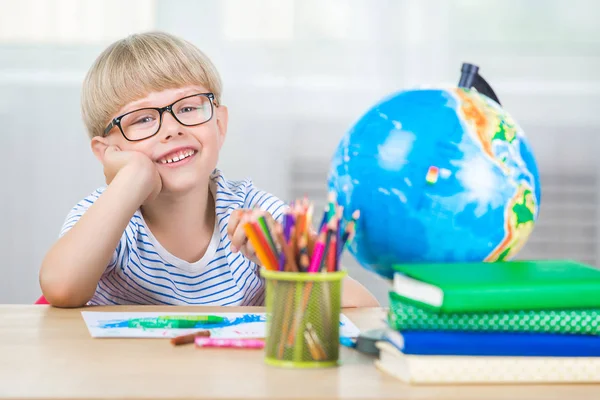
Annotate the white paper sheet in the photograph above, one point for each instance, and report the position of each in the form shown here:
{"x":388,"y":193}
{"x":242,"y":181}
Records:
{"x":237,"y":325}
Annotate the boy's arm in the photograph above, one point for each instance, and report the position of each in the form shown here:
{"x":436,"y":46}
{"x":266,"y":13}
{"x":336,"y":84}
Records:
{"x":356,"y":295}
{"x":73,"y":266}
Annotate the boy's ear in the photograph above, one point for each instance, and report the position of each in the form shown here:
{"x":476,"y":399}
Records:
{"x":222,"y":118}
{"x":99,"y":146}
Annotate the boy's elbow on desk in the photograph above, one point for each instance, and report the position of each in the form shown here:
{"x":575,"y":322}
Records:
{"x":356,"y":295}
{"x":62,"y":296}
{"x":61,"y":292}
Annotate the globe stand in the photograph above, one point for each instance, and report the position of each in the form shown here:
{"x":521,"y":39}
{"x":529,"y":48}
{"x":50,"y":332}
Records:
{"x":470,"y":78}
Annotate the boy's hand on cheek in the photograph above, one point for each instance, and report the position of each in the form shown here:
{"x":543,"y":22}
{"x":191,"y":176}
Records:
{"x":141,"y":167}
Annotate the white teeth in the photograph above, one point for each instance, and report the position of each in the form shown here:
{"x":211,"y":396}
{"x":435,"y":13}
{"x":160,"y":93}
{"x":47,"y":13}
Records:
{"x":179,"y":157}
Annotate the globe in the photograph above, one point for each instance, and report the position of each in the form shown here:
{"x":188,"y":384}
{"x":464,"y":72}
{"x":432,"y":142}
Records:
{"x":439,"y":175}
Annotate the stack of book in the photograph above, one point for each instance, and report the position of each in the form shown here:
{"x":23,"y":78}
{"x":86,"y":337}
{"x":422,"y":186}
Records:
{"x":504,"y":322}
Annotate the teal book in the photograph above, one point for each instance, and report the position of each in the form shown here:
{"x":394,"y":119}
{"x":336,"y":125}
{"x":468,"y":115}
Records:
{"x":403,"y":315}
{"x":499,"y":286}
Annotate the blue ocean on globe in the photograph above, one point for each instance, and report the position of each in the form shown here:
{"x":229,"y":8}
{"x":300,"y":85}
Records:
{"x":439,"y":175}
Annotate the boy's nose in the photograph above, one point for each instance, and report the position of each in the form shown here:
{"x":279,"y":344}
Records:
{"x":170,"y":127}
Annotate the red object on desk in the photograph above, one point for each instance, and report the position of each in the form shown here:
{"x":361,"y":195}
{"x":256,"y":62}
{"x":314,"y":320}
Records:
{"x":41,"y":300}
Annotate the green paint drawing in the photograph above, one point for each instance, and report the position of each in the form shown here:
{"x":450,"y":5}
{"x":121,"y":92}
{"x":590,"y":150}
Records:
{"x":174,"y":321}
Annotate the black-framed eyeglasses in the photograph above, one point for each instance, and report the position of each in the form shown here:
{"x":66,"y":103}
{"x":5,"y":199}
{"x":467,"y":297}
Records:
{"x":146,"y":122}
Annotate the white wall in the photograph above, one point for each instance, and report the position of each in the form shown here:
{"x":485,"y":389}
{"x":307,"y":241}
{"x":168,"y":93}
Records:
{"x":297,"y":73}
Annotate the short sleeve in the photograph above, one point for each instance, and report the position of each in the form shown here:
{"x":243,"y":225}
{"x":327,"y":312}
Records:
{"x":77,"y":212}
{"x":266,"y":202}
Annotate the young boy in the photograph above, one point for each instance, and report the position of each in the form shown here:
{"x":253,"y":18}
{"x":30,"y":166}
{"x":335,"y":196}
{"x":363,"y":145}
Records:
{"x":167,"y":228}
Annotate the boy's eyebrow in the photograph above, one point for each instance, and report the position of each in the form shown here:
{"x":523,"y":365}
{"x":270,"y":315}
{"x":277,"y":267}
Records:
{"x":143,"y":103}
{"x":137,"y":104}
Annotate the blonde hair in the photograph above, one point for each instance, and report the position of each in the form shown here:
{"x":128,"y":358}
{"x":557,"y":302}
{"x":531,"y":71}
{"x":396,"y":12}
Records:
{"x":137,"y":65}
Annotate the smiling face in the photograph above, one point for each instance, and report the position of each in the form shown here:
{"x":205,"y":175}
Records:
{"x":156,"y":69}
{"x":185,"y":156}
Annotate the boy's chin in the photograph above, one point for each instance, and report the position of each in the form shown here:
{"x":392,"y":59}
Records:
{"x":182,"y":185}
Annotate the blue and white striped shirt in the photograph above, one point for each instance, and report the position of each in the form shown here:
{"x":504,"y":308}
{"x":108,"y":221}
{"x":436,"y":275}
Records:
{"x":141,"y":271}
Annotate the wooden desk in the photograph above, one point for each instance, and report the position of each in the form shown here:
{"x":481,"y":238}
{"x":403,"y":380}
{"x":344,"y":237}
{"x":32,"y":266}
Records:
{"x":49,"y":353}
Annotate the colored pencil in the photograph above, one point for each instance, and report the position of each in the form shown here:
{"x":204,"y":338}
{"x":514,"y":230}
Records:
{"x":319,"y":250}
{"x":332,"y":253}
{"x":349,"y":231}
{"x":266,"y":233}
{"x":303,"y":257}
{"x":254,"y":237}
{"x":324,"y":219}
{"x":286,"y":252}
{"x":189,"y":338}
{"x":264,"y":242}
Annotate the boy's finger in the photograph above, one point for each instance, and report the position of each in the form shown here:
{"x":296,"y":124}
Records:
{"x":112,"y":148}
{"x":109,"y":150}
{"x":234,"y":220}
{"x":238,"y":238}
{"x":271,"y":223}
{"x":248,"y":252}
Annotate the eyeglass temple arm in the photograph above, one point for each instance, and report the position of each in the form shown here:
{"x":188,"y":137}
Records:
{"x":109,"y":127}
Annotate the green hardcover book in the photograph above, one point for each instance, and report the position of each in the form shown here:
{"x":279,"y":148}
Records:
{"x":499,"y":286}
{"x":406,"y":315}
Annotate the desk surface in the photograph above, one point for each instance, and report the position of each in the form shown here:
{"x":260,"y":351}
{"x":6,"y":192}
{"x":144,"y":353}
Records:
{"x":49,"y":353}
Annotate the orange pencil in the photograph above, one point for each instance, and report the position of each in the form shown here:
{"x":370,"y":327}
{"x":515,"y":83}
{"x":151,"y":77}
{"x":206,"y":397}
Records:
{"x":315,"y":339}
{"x":303,"y":263}
{"x":265,"y":245}
{"x":294,"y":248}
{"x":286,"y":323}
{"x":303,"y":257}
{"x":308,"y":220}
{"x":261,"y":250}
{"x":300,"y":224}
{"x":290,"y":262}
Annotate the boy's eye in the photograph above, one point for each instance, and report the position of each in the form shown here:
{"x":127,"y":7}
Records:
{"x":187,"y":109}
{"x":143,"y":120}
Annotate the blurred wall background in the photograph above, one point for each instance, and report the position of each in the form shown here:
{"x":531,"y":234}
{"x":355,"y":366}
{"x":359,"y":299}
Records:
{"x":297,"y":74}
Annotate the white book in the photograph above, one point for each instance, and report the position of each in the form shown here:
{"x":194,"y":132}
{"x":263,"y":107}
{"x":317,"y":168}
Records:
{"x":420,"y":369}
{"x":419,"y":291}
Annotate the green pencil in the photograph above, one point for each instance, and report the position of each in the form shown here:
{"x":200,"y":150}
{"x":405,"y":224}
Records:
{"x":267,"y":233}
{"x":175,"y":321}
{"x":213,"y":319}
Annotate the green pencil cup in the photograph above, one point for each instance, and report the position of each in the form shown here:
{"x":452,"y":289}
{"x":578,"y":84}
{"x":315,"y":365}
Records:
{"x":303,"y":318}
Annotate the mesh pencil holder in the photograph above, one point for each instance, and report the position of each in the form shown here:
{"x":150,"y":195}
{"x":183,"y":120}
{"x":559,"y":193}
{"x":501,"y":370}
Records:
{"x":303,"y":318}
